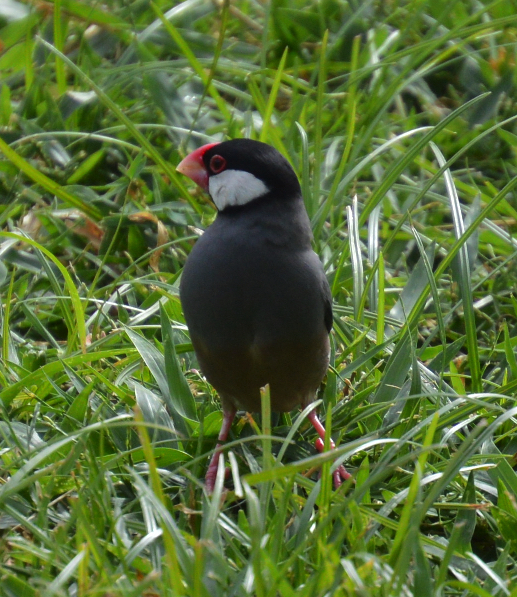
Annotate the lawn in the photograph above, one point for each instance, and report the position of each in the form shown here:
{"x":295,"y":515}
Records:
{"x":400,"y":119}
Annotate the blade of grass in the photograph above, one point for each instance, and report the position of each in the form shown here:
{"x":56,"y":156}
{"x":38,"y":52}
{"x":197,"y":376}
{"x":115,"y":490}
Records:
{"x":6,"y":335}
{"x":306,"y":180}
{"x":465,"y":282}
{"x":373,"y":254}
{"x":318,"y":128}
{"x":273,"y":94}
{"x":59,"y":36}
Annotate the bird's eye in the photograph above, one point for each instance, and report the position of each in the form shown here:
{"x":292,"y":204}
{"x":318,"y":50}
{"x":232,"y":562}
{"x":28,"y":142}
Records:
{"x":217,"y":164}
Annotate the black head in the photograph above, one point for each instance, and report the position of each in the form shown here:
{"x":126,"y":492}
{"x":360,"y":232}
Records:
{"x":239,"y":171}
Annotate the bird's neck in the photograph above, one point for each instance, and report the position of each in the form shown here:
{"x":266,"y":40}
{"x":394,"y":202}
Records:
{"x":282,"y":222}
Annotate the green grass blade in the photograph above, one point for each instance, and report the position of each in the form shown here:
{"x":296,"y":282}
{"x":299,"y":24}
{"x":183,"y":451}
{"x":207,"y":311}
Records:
{"x":465,"y":283}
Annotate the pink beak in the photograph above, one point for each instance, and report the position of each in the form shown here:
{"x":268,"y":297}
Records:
{"x":194,"y":167}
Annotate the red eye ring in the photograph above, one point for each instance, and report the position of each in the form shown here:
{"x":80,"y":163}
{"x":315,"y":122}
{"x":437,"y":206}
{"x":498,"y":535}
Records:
{"x":217,"y":164}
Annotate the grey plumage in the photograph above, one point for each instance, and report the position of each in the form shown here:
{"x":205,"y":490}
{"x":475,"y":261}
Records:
{"x":258,"y":306}
{"x":255,"y":296}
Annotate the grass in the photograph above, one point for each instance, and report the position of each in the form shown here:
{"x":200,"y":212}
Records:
{"x":399,"y":118}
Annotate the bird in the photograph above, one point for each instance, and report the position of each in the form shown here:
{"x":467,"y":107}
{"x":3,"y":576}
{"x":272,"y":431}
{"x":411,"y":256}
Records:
{"x":254,"y":294}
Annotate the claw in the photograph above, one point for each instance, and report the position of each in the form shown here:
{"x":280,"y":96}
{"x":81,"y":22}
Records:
{"x":340,"y":474}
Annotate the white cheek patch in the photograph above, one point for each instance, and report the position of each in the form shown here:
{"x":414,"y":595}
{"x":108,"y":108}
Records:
{"x":235,"y":187}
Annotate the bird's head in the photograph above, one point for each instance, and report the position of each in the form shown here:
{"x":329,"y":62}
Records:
{"x":237,"y":172}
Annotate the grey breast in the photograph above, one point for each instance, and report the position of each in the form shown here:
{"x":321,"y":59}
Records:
{"x":257,"y":310}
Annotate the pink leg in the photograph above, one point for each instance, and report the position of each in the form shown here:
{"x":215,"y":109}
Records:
{"x":211,"y":472}
{"x":340,"y":474}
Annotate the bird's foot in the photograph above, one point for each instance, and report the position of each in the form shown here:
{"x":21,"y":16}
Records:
{"x":340,"y":474}
{"x":211,"y":471}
